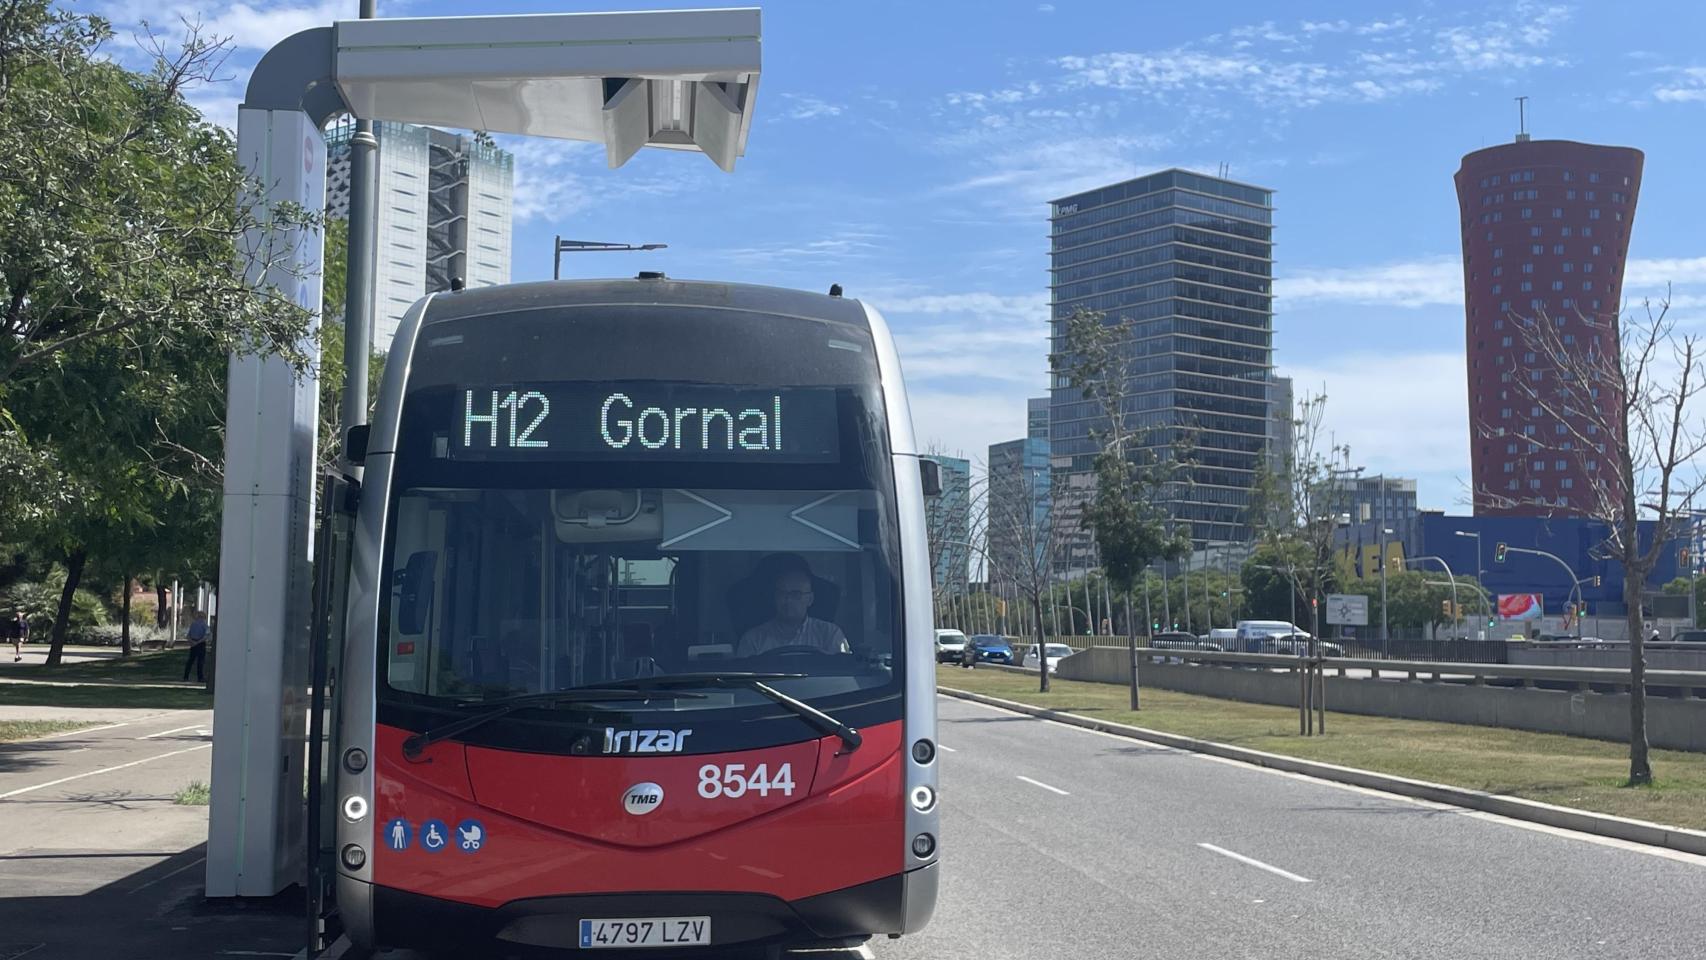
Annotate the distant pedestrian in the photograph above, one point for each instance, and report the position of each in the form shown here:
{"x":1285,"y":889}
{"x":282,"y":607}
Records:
{"x":19,"y":628}
{"x":1655,"y":637}
{"x":198,"y":647}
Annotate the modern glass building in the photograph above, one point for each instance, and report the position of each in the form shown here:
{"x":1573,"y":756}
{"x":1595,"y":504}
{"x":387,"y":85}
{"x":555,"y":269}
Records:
{"x":1189,"y":259}
{"x":1018,"y":512}
{"x":444,"y":214}
{"x":947,"y":521}
{"x":1546,"y":228}
{"x":1036,"y":418}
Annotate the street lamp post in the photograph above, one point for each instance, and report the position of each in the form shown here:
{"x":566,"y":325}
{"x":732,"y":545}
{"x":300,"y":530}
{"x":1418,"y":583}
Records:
{"x":1449,"y":575}
{"x":561,"y":246}
{"x":1575,"y":583}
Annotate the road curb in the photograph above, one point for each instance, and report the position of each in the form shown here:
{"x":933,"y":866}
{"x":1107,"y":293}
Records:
{"x":1567,"y":818}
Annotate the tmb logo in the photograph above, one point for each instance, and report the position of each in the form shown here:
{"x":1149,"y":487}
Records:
{"x":644,"y":741}
{"x":642,"y":798}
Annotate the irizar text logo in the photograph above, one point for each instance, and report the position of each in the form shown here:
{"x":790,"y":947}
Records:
{"x":642,"y":798}
{"x":645,"y":741}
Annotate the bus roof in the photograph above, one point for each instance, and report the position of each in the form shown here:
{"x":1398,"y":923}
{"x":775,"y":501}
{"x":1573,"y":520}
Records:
{"x":546,"y":294}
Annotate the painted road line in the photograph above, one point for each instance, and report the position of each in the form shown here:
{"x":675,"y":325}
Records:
{"x":1252,"y":861}
{"x":104,"y":726}
{"x":162,"y":733}
{"x":96,"y":773}
{"x":1039,"y":783}
{"x":1483,"y":815}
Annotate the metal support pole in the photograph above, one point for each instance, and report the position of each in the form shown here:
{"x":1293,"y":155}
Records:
{"x":1385,"y":635}
{"x":359,"y":278}
{"x":557,"y":257}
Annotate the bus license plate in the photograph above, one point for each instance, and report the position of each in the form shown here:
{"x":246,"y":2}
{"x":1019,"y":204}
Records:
{"x":646,"y":932}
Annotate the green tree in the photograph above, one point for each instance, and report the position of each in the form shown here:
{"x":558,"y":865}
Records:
{"x":1126,"y":512}
{"x":126,"y":231}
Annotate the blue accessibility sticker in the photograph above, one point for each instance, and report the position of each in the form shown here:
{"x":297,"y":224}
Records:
{"x":397,"y":834}
{"x":470,"y":836}
{"x":435,"y":836}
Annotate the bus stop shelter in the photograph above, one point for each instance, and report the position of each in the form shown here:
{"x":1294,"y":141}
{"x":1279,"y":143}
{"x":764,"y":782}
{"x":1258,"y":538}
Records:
{"x":673,"y":79}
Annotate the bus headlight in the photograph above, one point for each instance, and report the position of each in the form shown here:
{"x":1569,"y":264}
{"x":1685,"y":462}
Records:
{"x":355,"y":807}
{"x":923,"y":752}
{"x":923,"y":798}
{"x":354,"y":857}
{"x":923,"y":845}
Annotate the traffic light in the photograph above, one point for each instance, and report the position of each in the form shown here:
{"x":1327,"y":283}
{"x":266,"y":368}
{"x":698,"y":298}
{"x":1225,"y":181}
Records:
{"x":1595,"y":582}
{"x":1682,"y":558}
{"x":1499,"y":553}
{"x":1445,"y":609}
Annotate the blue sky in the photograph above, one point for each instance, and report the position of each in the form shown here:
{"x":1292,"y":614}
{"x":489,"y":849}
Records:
{"x":906,"y":150}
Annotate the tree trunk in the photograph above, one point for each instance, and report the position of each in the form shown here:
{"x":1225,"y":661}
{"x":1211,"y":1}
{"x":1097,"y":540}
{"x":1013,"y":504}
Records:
{"x":1042,"y":650}
{"x":73,"y":576}
{"x":159,"y":603}
{"x":1640,"y":772}
{"x":1131,"y":648}
{"x":124,"y":628}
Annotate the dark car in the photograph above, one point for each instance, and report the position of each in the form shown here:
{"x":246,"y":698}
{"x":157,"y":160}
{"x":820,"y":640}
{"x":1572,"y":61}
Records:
{"x":992,"y":649}
{"x":1688,"y":636}
{"x":1180,"y":640}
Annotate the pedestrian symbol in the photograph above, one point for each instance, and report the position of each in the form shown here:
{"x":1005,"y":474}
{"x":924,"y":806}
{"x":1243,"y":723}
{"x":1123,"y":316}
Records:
{"x":397,"y":834}
{"x":434,"y":836}
{"x":470,"y":836}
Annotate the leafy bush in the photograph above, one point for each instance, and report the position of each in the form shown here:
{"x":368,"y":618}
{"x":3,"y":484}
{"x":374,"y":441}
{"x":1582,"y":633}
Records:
{"x":112,"y":634}
{"x":40,"y":602}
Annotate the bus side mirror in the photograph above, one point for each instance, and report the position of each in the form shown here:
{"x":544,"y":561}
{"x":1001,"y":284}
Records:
{"x":414,"y":600}
{"x":930,"y":475}
{"x":355,"y":443}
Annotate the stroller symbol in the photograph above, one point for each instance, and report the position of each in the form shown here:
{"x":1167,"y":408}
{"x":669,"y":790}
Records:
{"x":471,"y":836}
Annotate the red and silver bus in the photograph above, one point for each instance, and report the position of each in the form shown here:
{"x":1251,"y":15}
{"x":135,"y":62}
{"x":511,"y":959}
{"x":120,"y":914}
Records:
{"x":638,"y":650}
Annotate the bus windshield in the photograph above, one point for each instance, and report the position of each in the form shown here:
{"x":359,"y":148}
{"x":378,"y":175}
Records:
{"x":548,"y":532}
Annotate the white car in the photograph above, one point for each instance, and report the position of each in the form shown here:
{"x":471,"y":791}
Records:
{"x":1056,"y":653}
{"x":950,"y":646}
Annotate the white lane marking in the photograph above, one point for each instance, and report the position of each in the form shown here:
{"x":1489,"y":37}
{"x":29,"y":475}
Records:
{"x":1614,"y":842}
{"x":150,"y":736}
{"x":1039,"y":783}
{"x":144,"y":886}
{"x":104,"y":726}
{"x":1252,"y":861}
{"x":96,"y":773}
{"x":946,"y":749}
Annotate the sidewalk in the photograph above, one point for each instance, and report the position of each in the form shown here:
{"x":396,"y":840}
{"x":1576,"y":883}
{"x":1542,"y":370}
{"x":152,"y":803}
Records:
{"x":98,"y":862}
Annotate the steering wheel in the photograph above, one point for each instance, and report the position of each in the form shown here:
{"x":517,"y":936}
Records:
{"x":796,"y":650}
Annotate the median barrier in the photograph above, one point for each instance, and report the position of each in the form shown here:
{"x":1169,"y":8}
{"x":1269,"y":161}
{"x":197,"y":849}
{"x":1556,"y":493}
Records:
{"x":1463,"y":693}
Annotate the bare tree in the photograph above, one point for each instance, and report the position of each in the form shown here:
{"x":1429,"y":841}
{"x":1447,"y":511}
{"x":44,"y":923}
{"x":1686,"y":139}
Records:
{"x":1620,"y":401}
{"x":1296,"y":505}
{"x":1026,"y":537}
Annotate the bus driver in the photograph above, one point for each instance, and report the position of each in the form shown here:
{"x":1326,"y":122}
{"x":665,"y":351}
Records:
{"x":791,"y":626}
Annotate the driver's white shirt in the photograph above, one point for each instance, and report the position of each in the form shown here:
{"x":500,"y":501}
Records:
{"x":811,"y":632}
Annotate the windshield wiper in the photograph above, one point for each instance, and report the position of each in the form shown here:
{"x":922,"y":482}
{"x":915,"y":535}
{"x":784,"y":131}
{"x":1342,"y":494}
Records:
{"x":850,"y":737}
{"x":504,"y":706}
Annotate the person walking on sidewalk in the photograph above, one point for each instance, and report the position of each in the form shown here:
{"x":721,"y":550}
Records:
{"x":19,"y":628}
{"x":198,"y":647}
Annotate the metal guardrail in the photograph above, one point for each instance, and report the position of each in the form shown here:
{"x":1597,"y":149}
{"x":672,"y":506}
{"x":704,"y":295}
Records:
{"x":1581,"y":678}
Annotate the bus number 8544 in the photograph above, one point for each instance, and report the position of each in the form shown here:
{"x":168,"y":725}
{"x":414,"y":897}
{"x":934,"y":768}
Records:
{"x":731,"y":780}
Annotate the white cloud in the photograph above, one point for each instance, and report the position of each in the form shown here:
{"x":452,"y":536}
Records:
{"x":1411,"y":425}
{"x":1648,"y":272}
{"x":1028,"y":172}
{"x":1432,"y":281}
{"x":1268,"y":66}
{"x":802,"y":107}
{"x":557,"y":178}
{"x":1685,"y":85}
{"x":843,"y":246}
{"x":247,"y":27}
{"x":1045,"y":8}
{"x":1438,"y":281}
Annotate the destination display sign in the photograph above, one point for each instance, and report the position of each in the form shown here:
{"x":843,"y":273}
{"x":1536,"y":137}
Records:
{"x":645,"y":420}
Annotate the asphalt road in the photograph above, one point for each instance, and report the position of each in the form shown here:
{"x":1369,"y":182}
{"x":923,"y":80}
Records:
{"x":97,"y":861}
{"x":1060,"y":842}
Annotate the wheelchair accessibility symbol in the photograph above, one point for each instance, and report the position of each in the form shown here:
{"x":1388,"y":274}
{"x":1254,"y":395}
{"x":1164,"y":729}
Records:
{"x":434,"y":836}
{"x":470,"y":836}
